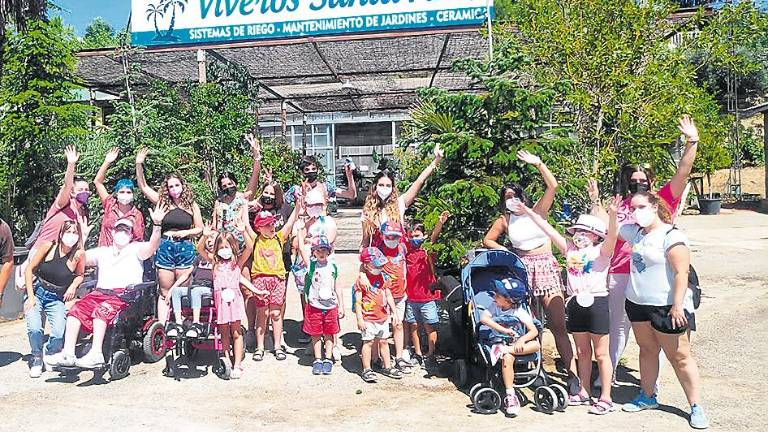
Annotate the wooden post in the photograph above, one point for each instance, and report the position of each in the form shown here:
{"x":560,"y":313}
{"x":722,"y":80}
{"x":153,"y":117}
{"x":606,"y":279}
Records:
{"x":284,"y":120}
{"x":202,"y":77}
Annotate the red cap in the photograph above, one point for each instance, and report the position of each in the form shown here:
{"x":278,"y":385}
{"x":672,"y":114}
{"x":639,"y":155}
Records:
{"x":263,"y":219}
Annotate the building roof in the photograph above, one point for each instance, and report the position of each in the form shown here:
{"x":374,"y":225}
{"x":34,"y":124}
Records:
{"x":350,"y":73}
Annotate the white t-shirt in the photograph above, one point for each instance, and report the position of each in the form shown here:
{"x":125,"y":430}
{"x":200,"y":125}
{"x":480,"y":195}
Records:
{"x":587,"y":270}
{"x":322,"y":288}
{"x":117,"y":269}
{"x":651,"y":279}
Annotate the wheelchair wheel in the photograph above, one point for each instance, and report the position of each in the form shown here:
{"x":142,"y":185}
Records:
{"x":474,"y":389}
{"x":154,"y":343}
{"x":460,"y":373}
{"x":545,"y":399}
{"x":119,"y":365}
{"x":562,"y":397}
{"x":486,"y":401}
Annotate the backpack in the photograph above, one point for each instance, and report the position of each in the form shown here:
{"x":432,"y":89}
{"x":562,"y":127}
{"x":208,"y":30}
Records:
{"x":311,"y":274}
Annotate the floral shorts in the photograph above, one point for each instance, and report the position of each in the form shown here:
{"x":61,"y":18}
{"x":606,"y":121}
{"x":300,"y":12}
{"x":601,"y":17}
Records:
{"x":543,"y":274}
{"x":274,"y":285}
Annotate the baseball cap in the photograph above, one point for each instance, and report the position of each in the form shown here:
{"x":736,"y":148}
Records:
{"x":263,"y":219}
{"x":373,"y":256}
{"x":511,"y":287}
{"x":391,"y":229}
{"x":124,"y":222}
{"x":321,"y":243}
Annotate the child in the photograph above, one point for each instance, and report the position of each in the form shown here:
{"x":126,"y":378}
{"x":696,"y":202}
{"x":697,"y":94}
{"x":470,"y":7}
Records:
{"x":202,"y":284}
{"x":515,"y":331}
{"x":324,"y":305}
{"x":420,"y":280}
{"x":268,"y":275}
{"x":227,"y":297}
{"x":372,"y":306}
{"x":393,"y":248}
{"x":587,"y":262}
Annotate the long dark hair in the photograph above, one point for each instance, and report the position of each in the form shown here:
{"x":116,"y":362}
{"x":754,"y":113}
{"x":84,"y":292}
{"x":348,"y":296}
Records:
{"x":227,"y":175}
{"x":626,"y":174}
{"x":64,"y":228}
{"x":519,"y":194}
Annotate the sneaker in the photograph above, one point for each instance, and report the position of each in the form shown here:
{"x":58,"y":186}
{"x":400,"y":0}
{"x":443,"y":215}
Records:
{"x":698,"y":419}
{"x":407,"y":355}
{"x":336,"y":353}
{"x":317,"y":367}
{"x":327,"y":367}
{"x":236,"y":373}
{"x":36,"y":368}
{"x":640,"y":403}
{"x":417,"y":360}
{"x":61,"y":360}
{"x":511,"y":405}
{"x":172,"y":330}
{"x":90,"y":361}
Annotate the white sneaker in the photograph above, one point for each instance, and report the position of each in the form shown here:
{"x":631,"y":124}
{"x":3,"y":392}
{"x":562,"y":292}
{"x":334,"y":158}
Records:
{"x":90,"y":361}
{"x":512,"y":405}
{"x":36,"y":369}
{"x":336,"y":353}
{"x":406,"y":354}
{"x":60,"y":360}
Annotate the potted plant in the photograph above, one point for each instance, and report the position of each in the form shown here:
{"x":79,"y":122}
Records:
{"x":710,"y":157}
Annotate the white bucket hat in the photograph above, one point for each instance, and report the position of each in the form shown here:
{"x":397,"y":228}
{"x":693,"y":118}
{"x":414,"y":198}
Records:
{"x":589,"y":223}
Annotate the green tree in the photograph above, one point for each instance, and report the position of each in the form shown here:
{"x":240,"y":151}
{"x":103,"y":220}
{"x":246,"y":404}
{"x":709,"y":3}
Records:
{"x":16,"y":14}
{"x":99,"y":34}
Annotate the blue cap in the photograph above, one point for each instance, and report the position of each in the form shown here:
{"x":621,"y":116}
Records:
{"x":511,"y":287}
{"x":124,"y":183}
{"x":321,"y":243}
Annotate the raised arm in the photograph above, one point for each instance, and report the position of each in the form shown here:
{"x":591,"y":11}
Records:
{"x":410,"y":195}
{"x":609,"y":244}
{"x":148,"y":248}
{"x":148,"y":192}
{"x":288,"y":227}
{"x":688,"y":128}
{"x":498,"y":229}
{"x":557,"y":239}
{"x":351,"y":192}
{"x":208,"y":232}
{"x":439,"y":226}
{"x":253,"y":182}
{"x":248,"y":248}
{"x":65,"y":193}
{"x":98,"y":181}
{"x":544,"y":203}
{"x":301,"y":238}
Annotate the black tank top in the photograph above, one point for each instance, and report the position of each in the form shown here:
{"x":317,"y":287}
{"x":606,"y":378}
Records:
{"x":177,"y":220}
{"x":56,"y":270}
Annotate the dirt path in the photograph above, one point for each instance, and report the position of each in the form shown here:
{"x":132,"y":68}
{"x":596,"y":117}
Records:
{"x":729,"y":253}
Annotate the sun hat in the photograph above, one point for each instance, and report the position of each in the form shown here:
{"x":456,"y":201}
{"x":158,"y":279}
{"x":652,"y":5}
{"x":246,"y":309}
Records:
{"x":511,"y":287}
{"x":373,"y":256}
{"x":588,"y":223}
{"x":264,"y":218}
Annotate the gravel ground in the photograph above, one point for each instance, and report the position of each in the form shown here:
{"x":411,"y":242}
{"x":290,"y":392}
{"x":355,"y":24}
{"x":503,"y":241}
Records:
{"x":729,"y":254}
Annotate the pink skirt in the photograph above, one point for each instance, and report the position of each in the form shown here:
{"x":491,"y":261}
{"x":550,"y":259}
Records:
{"x":543,"y":274}
{"x":229,"y":312}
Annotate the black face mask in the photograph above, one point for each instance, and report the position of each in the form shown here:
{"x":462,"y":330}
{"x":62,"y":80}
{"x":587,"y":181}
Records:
{"x":311,"y":176}
{"x":230,"y":191}
{"x":635,"y":187}
{"x":268,"y":201}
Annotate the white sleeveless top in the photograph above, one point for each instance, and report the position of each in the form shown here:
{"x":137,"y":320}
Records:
{"x":524,"y":234}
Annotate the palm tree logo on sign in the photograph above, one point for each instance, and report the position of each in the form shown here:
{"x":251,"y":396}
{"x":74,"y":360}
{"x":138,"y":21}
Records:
{"x":159,"y":11}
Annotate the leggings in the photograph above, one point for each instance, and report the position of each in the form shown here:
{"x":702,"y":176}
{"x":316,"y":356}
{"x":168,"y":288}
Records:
{"x":195,"y":296}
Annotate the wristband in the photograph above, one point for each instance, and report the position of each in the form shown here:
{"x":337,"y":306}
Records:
{"x":157,"y":225}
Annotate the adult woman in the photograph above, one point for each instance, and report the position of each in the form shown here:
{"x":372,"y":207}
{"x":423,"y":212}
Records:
{"x":636,"y":179}
{"x":182,"y":223}
{"x":534,"y":248}
{"x":118,"y":205}
{"x":659,"y":304}
{"x":58,"y":267}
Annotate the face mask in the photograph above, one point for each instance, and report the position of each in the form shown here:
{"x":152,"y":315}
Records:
{"x":635,"y":187}
{"x":225,"y":253}
{"x":374,"y":271}
{"x":267,"y":201}
{"x":644,"y":216}
{"x":384,"y":191}
{"x":174,"y":192}
{"x":125,"y":199}
{"x":121,"y":238}
{"x":82,"y":197}
{"x":417,"y":242}
{"x":512,"y":203}
{"x":70,"y":239}
{"x":311,"y":176}
{"x":314,"y":211}
{"x":391,"y":244}
{"x":581,"y":240}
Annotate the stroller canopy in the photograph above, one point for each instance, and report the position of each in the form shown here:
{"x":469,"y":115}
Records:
{"x":488,"y":266}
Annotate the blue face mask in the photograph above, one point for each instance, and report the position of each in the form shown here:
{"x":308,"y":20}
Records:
{"x":417,"y":242}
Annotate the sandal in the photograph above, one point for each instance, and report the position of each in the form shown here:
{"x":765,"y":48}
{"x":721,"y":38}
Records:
{"x":173,"y":330}
{"x":194,"y":331}
{"x":258,"y":355}
{"x":403,"y":366}
{"x":393,"y":373}
{"x":579,"y":399}
{"x":280,"y":354}
{"x":368,"y":376}
{"x":602,"y":407}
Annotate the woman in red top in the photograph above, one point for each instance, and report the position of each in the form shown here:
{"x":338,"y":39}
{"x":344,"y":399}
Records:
{"x":420,"y":281}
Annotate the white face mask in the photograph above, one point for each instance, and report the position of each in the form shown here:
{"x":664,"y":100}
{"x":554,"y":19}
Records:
{"x":314,"y":211}
{"x":581,"y":240}
{"x":70,"y":239}
{"x":384,"y":191}
{"x":225,"y":253}
{"x":125,"y":199}
{"x":391,"y":244}
{"x":121,"y":238}
{"x":645,"y":216}
{"x":512,"y":203}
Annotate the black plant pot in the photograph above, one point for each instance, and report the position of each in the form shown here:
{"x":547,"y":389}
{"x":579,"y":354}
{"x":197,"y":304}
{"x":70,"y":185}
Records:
{"x":709,"y":204}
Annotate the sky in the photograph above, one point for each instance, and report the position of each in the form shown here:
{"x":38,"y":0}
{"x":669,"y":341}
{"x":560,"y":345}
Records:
{"x":79,"y":13}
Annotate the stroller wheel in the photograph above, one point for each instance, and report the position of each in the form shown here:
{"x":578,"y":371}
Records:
{"x":224,"y":370}
{"x":118,"y":368}
{"x":474,"y":390}
{"x":562,"y":397}
{"x":461,"y":372}
{"x":522,"y":397}
{"x":486,"y":401}
{"x":545,"y":399}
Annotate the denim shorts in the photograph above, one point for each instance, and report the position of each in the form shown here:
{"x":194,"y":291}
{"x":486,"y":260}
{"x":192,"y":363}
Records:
{"x":175,"y":254}
{"x":421,"y":312}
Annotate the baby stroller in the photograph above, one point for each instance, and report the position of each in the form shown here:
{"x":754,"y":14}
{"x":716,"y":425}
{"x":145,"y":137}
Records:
{"x":134,"y":334}
{"x":483,"y":268}
{"x":185,"y":351}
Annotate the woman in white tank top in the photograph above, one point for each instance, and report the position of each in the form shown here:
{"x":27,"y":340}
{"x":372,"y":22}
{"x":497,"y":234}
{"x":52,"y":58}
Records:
{"x":534,"y":248}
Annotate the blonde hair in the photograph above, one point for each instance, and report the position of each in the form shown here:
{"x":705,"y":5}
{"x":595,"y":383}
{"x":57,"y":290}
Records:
{"x":374,"y":205}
